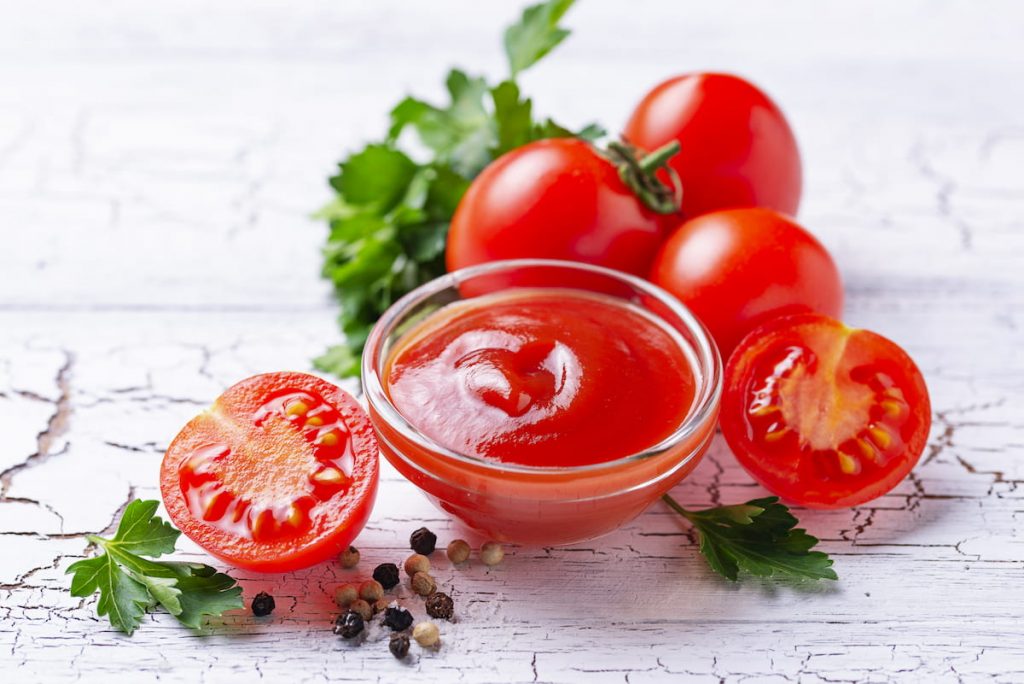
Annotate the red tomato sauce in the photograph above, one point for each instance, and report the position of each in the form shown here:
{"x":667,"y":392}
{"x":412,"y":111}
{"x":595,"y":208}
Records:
{"x":550,"y":378}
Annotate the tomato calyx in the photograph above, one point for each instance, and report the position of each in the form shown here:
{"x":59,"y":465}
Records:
{"x":638,"y":170}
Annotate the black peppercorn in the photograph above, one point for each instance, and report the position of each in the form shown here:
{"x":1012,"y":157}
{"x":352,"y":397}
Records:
{"x":440,"y":605}
{"x":386,"y":574}
{"x":262,"y":604}
{"x":349,"y":624}
{"x":398,"y":619}
{"x":399,"y":645}
{"x":423,"y":541}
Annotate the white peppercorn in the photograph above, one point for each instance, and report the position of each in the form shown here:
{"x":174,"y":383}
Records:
{"x":426,"y":634}
{"x":491,"y":553}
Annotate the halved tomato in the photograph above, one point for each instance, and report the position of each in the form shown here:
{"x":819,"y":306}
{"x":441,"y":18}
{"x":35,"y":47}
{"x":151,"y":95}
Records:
{"x":279,"y":474}
{"x":824,"y":415}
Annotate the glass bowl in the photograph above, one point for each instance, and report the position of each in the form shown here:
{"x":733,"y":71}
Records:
{"x":533,"y":505}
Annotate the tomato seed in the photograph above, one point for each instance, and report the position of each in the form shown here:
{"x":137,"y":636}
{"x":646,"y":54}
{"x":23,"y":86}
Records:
{"x":848,"y":464}
{"x":880,"y":436}
{"x":296,"y":408}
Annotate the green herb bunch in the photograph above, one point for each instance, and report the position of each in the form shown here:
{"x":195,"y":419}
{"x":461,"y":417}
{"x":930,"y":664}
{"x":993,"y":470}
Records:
{"x":389,"y":221}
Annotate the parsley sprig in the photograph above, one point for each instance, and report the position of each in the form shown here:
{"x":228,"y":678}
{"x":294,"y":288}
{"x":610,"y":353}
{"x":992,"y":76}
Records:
{"x":759,"y":537}
{"x":129,"y":584}
{"x":389,"y":220}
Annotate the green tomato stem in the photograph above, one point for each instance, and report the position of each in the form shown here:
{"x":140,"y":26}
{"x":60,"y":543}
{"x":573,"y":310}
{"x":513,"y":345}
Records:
{"x":659,"y":157}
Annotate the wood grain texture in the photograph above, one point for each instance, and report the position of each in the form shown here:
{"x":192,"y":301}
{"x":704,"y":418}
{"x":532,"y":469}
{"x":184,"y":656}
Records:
{"x":158,"y":165}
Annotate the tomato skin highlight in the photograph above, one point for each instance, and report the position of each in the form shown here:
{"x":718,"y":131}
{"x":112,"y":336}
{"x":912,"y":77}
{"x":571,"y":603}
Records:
{"x":824,"y":415}
{"x":279,"y":474}
{"x":553,"y":199}
{"x":737,"y":268}
{"x":737,"y":149}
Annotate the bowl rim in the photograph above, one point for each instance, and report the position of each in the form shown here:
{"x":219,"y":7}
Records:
{"x":706,"y":401}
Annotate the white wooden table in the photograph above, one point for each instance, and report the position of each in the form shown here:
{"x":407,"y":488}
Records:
{"x":158,"y":165}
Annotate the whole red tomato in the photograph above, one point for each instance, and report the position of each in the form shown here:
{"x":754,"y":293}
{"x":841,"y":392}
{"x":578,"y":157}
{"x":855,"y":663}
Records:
{"x":737,"y":150}
{"x":736,"y":268}
{"x":554,"y":199}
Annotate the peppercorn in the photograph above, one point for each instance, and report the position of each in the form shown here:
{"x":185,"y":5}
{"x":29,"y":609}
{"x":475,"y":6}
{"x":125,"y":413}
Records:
{"x":423,"y":584}
{"x":346,"y":594}
{"x":458,"y":551}
{"x":262,"y":604}
{"x":399,"y":645}
{"x":416,"y":563}
{"x":349,"y":624}
{"x":397,"y":618}
{"x":349,"y":558}
{"x":423,"y":541}
{"x":439,"y":605}
{"x":371,"y":590}
{"x":491,"y":553}
{"x":386,"y":574}
{"x":426,"y":634}
{"x":363,"y":608}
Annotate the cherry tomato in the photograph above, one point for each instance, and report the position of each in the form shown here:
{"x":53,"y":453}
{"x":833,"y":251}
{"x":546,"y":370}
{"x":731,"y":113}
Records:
{"x":737,"y":268}
{"x":554,"y":199}
{"x":279,"y":474}
{"x":737,"y":150}
{"x":824,"y":415}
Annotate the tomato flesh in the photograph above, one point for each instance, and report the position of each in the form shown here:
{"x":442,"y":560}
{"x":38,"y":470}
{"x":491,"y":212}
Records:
{"x":824,"y":415}
{"x":280,"y":473}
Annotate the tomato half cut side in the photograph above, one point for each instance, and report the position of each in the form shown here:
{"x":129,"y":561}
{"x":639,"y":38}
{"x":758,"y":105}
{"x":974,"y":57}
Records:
{"x":279,"y":474}
{"x":822,"y":414}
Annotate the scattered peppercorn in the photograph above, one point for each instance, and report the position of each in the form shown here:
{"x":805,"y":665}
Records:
{"x":458,"y":551}
{"x":371,"y":590}
{"x":397,"y":618}
{"x":363,"y":608}
{"x":439,"y":605}
{"x":349,"y":624}
{"x":399,"y":645}
{"x":426,"y":634}
{"x":416,"y":563}
{"x":423,"y":584}
{"x":386,"y":574}
{"x":262,"y":604}
{"x":346,"y":594}
{"x":349,"y":558}
{"x":423,"y":541}
{"x":491,"y":553}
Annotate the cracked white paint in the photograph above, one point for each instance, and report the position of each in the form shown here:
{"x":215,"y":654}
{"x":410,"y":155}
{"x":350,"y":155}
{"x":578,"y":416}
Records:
{"x":158,"y":166}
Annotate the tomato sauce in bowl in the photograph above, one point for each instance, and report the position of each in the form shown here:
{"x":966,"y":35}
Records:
{"x":545,"y":377}
{"x":542,"y":402}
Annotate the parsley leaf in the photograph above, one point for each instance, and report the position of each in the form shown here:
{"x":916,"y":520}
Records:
{"x":130,"y":584}
{"x":389,"y":221}
{"x":122,"y":599}
{"x":536,"y":34}
{"x":376,"y":177}
{"x":759,"y":537}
